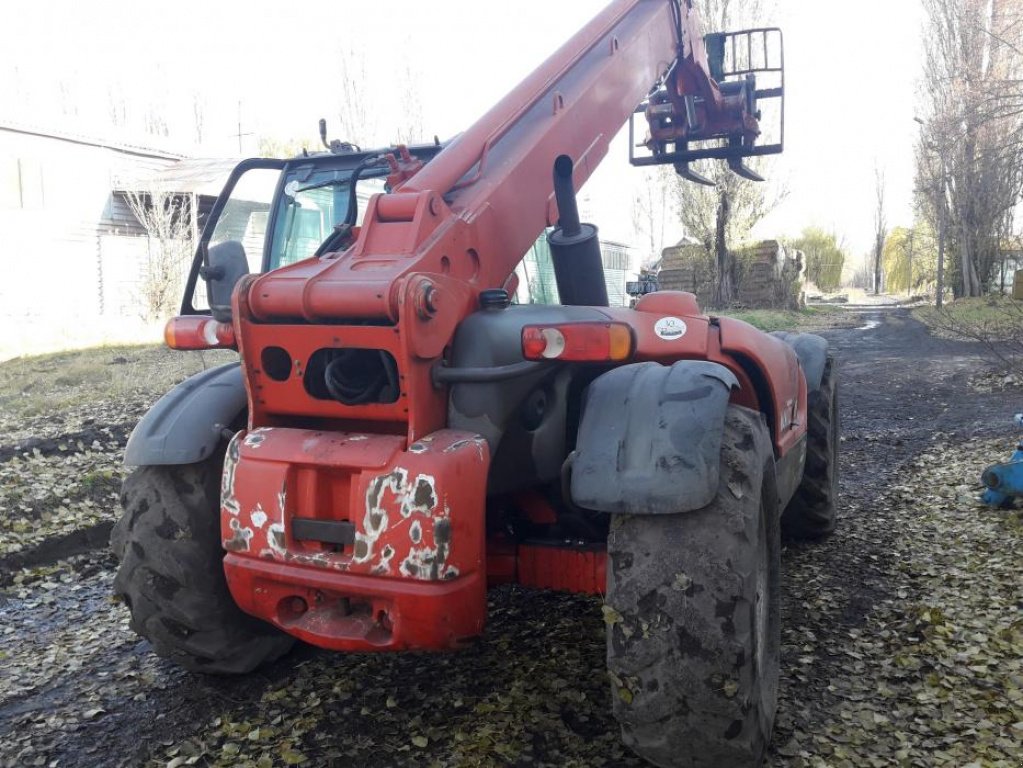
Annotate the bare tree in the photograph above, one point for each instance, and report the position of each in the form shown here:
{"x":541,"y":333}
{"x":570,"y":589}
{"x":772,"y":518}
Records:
{"x":199,"y":116}
{"x":355,"y":115}
{"x":722,"y":15}
{"x":650,"y":208}
{"x":723,"y":215}
{"x":155,"y":121}
{"x":117,"y":112}
{"x":68,"y":101}
{"x":970,"y":160}
{"x":863,"y":275}
{"x":167,"y":221}
{"x":880,"y":228}
{"x":411,"y":127}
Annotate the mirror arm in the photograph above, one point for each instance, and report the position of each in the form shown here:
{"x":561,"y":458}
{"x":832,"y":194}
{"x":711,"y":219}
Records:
{"x":211,"y":273}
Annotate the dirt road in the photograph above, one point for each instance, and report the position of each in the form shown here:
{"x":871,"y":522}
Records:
{"x":902,"y":640}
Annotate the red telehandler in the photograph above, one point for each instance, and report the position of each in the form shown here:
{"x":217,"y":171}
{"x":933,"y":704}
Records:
{"x":399,"y":435}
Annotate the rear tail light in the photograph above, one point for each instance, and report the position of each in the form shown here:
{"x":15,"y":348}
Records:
{"x":198,"y":332}
{"x":582,"y":342}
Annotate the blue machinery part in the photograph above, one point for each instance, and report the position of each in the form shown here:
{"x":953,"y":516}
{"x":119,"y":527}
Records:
{"x":1005,"y":480}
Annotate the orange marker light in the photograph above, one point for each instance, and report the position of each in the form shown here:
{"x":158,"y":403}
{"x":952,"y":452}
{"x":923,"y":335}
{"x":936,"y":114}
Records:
{"x":198,"y":332}
{"x":578,"y":342}
{"x":620,"y":341}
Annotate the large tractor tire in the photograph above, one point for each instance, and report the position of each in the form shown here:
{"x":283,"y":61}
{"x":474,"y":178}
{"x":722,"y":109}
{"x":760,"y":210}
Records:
{"x":811,"y":514}
{"x":171,"y":574}
{"x":694,"y":619}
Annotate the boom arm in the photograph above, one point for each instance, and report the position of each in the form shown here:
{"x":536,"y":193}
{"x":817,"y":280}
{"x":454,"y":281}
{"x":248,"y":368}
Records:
{"x":459,"y":225}
{"x":476,"y":208}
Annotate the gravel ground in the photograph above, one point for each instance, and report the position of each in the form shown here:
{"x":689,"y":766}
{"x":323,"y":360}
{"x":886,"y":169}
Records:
{"x":903,"y":633}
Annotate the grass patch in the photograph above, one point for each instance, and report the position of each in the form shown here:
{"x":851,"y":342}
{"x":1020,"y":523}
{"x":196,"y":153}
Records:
{"x":994,"y":317}
{"x":51,"y":384}
{"x":996,"y":322}
{"x":810,"y":318}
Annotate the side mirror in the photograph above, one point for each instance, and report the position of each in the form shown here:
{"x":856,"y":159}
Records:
{"x":225,"y":266}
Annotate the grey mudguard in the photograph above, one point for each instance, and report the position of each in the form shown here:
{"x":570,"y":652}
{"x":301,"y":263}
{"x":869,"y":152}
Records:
{"x":186,"y":424}
{"x":650,"y":438}
{"x":812,"y":351}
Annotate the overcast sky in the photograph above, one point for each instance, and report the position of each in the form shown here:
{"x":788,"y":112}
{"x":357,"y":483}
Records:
{"x":852,"y":69}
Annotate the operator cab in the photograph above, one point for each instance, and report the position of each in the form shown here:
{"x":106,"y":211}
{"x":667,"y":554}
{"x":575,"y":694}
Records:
{"x":282,"y":211}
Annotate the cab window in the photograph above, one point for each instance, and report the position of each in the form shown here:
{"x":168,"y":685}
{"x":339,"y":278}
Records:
{"x":310,"y":209}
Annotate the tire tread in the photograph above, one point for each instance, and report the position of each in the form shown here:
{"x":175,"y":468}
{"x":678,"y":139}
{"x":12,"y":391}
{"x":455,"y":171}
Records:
{"x":812,"y":512}
{"x":681,"y":620}
{"x":171,"y":572}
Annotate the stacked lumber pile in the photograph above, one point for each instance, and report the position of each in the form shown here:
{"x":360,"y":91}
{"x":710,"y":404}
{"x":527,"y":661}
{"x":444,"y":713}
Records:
{"x":770,"y":277}
{"x":687,"y":267}
{"x":767,"y":277}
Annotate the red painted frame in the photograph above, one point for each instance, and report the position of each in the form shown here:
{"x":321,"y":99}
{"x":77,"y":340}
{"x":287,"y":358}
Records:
{"x":413,"y":490}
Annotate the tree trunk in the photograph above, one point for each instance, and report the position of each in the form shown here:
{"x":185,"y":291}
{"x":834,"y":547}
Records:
{"x":725,"y":285}
{"x":878,"y":248}
{"x":971,"y":281}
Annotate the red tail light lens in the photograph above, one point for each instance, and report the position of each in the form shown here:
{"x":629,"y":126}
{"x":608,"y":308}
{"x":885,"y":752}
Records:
{"x":198,"y":332}
{"x":581,"y":342}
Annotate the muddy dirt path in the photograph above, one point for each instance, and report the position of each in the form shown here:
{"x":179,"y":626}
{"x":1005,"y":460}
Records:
{"x":851,"y":601}
{"x":77,"y":688}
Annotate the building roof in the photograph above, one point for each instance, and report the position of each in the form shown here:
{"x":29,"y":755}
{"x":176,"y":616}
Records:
{"x":199,"y":176}
{"x":74,"y":138}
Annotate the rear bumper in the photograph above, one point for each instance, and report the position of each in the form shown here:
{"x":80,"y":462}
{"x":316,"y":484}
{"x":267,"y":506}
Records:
{"x":353,"y":542}
{"x":346,"y":612}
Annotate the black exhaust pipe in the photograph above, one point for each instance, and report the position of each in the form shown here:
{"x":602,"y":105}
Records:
{"x":575,"y":248}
